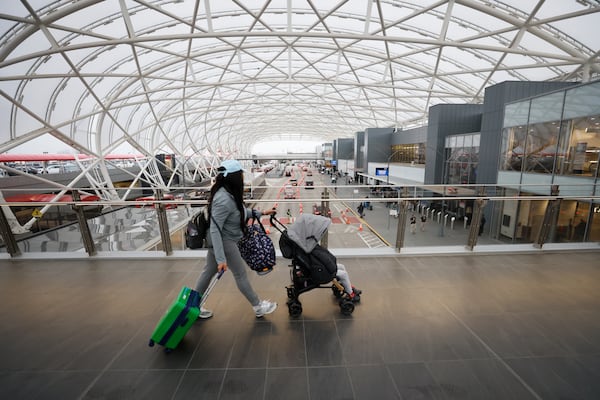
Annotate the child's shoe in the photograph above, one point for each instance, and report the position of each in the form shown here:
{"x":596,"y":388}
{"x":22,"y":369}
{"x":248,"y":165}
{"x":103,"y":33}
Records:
{"x":355,"y":295}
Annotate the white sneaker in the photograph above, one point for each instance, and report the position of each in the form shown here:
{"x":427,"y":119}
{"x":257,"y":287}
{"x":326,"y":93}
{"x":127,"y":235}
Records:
{"x":204,"y":313}
{"x":264,"y":307}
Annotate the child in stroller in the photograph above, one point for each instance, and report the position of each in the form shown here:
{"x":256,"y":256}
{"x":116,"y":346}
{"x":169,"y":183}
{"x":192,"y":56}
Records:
{"x":312,"y":265}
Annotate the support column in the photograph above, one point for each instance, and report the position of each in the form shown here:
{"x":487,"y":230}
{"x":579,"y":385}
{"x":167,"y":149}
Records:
{"x":86,"y":235}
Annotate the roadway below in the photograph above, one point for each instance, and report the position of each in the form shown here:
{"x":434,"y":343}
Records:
{"x":346,"y":230}
{"x":377,"y":229}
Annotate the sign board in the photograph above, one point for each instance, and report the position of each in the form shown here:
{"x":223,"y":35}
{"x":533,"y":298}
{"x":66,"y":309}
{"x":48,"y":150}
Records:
{"x":381,"y":171}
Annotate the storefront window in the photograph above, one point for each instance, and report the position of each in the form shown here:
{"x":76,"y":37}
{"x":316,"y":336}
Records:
{"x":563,"y":165}
{"x":516,"y":114}
{"x":541,"y":147}
{"x":583,"y":147}
{"x":513,"y":148}
{"x":546,"y":108}
{"x":582,"y":101}
{"x":463,"y":159}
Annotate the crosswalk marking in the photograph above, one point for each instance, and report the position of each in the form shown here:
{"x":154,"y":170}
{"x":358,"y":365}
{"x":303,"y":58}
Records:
{"x":371,"y":240}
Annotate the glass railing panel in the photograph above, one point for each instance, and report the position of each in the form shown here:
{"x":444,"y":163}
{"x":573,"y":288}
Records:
{"x":117,"y":229}
{"x":128,"y":226}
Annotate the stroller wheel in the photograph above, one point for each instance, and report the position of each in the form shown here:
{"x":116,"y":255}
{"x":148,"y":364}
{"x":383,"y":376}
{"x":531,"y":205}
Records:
{"x":346,"y":307}
{"x":294,"y":308}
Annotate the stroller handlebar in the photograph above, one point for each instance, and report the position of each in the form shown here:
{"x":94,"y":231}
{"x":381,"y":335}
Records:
{"x":277,"y":224}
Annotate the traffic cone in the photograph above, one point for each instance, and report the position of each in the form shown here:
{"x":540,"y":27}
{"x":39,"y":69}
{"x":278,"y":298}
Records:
{"x":360,"y":228}
{"x":267,"y":230}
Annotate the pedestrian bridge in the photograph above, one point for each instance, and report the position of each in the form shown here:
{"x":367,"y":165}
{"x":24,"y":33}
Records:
{"x":436,"y":319}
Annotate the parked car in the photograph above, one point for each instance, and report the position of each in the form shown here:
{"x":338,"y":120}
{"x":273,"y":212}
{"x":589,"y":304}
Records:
{"x":24,"y":168}
{"x":289,"y":192}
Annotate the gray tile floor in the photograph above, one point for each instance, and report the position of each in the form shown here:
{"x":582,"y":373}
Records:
{"x":438,"y":327}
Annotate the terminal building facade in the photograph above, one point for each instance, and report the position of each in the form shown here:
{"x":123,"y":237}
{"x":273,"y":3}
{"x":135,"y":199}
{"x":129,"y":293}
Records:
{"x":526,"y":139}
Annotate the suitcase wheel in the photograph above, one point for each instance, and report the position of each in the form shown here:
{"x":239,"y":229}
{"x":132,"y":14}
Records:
{"x":151,"y":343}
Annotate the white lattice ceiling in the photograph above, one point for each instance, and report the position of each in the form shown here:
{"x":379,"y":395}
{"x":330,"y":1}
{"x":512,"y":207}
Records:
{"x":205,"y":76}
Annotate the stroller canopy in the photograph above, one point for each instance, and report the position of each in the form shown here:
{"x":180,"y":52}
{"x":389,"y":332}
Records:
{"x":308,"y":230}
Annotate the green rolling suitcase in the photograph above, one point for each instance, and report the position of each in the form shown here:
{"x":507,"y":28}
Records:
{"x":179,"y":317}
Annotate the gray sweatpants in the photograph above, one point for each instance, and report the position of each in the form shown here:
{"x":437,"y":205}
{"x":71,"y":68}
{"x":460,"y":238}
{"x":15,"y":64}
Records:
{"x":235,"y":264}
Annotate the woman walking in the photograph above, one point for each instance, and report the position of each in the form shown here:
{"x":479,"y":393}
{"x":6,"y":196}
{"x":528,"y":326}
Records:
{"x":228,"y":217}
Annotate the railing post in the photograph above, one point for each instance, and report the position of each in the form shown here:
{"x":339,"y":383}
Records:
{"x":84,"y":228}
{"x":325,"y":213}
{"x":163,"y":223}
{"x":402,"y":217}
{"x":552,"y":210}
{"x":7,"y":235}
{"x":476,"y":220}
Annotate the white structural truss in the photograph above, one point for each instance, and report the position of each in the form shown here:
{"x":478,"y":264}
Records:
{"x":214,"y":77}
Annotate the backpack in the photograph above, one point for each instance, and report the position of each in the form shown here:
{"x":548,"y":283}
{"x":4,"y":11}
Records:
{"x":197,"y":229}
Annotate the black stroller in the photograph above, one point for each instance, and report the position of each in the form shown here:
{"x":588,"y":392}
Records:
{"x":313,"y":266}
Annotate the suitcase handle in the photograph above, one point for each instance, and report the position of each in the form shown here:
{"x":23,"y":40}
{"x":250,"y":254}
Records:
{"x":210,"y":287}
